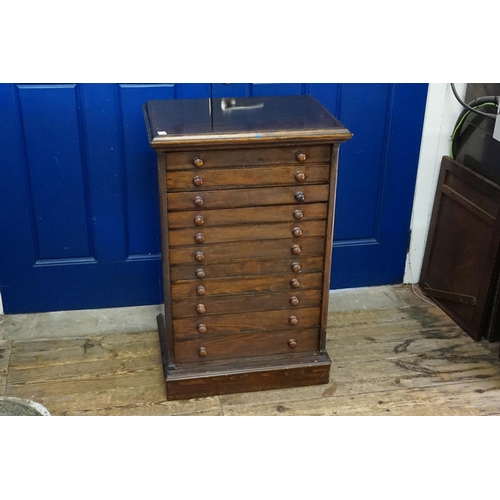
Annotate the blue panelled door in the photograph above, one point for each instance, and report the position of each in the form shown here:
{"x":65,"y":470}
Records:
{"x":79,"y":222}
{"x":79,"y":218}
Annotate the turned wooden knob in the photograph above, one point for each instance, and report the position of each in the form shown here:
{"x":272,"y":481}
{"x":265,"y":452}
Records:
{"x":202,"y":352}
{"x":292,"y":343}
{"x":295,"y":267}
{"x":296,"y":249}
{"x":299,"y":196}
{"x":297,"y":232}
{"x":201,"y":290}
{"x":293,"y":320}
{"x":198,"y":201}
{"x":294,"y":283}
{"x":200,"y":273}
{"x":202,"y":328}
{"x":199,"y":221}
{"x":197,"y":181}
{"x":199,"y":256}
{"x":200,"y":309}
{"x":294,"y":300}
{"x":300,"y":176}
{"x":197,"y":162}
{"x":298,"y":214}
{"x":199,"y":238}
{"x":301,"y":157}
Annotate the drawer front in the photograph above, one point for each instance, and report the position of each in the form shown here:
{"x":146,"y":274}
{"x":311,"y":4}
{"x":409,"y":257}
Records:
{"x":206,"y":305}
{"x":243,"y":157}
{"x":244,"y":268}
{"x":246,"y":177}
{"x":245,"y":345}
{"x":250,"y":215}
{"x":235,"y":198}
{"x":221,"y":252}
{"x":247,"y":232}
{"x":247,"y":322}
{"x":228,"y":286}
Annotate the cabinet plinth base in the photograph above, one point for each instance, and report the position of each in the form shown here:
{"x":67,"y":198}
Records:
{"x":245,"y":376}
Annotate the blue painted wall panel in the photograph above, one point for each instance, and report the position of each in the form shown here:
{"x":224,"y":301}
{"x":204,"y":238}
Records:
{"x":266,"y":89}
{"x":362,"y":110}
{"x":193,"y":90}
{"x":105,"y":169}
{"x":139,"y":168}
{"x":56,"y":170}
{"x":16,"y":244}
{"x":220,"y":90}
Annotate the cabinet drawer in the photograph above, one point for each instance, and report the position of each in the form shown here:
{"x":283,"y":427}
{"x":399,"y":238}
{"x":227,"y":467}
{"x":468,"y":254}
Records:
{"x":247,"y":322}
{"x":244,"y":268}
{"x":250,"y":156}
{"x":246,"y":177}
{"x":247,"y":232}
{"x":249,"y":215}
{"x":245,"y":345}
{"x":206,"y":305}
{"x":222,"y":252}
{"x":235,"y":198}
{"x":249,"y":284}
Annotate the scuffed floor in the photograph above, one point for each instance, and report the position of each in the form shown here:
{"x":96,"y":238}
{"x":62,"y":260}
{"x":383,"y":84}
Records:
{"x":392,"y":355}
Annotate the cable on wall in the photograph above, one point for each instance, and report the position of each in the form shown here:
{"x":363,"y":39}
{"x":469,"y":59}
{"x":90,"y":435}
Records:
{"x":493,"y":116}
{"x":474,"y":105}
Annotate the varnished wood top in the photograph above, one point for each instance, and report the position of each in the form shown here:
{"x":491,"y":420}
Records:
{"x":193,"y":122}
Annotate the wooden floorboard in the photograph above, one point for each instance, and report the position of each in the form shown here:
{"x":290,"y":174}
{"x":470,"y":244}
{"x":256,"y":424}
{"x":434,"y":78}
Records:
{"x":447,"y":399}
{"x":164,"y":409}
{"x":406,"y":359}
{"x":5,"y":353}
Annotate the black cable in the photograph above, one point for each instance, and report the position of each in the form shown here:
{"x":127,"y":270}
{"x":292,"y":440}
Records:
{"x":476,"y":103}
{"x":489,"y":115}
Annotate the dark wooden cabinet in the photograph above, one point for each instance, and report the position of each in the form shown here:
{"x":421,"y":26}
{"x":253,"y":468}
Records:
{"x":460,"y":267}
{"x":247,"y":197}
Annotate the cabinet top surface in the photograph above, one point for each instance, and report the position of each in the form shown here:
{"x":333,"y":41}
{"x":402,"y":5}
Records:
{"x":240,"y":120}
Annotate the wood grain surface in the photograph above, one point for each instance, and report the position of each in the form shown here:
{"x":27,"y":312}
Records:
{"x":247,"y":322}
{"x":247,"y":267}
{"x":223,"y":252}
{"x":245,"y":302}
{"x":5,"y":352}
{"x":248,"y":284}
{"x":233,"y":178}
{"x":245,"y":345}
{"x":249,"y":215}
{"x":407,"y":358}
{"x":246,"y":156}
{"x":247,"y":232}
{"x":251,"y":197}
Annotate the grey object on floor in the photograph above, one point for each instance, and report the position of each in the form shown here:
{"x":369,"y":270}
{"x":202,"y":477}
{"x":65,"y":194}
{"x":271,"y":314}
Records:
{"x":17,"y":407}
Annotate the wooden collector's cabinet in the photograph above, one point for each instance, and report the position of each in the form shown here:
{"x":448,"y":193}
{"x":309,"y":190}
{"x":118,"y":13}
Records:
{"x":247,"y":196}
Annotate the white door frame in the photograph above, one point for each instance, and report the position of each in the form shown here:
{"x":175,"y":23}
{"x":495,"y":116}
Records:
{"x":441,"y":113}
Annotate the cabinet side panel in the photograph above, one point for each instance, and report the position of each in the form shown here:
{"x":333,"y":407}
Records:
{"x":167,"y":341}
{"x":327,"y":264}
